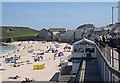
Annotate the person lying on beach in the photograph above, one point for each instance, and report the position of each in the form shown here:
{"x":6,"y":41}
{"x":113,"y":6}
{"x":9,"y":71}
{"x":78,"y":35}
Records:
{"x":16,"y":65}
{"x":36,"y":58}
{"x":1,"y":69}
{"x":27,"y":80}
{"x":40,"y":57}
{"x":29,"y":61}
{"x":47,"y":47}
{"x":19,"y":57}
{"x":14,"y":77}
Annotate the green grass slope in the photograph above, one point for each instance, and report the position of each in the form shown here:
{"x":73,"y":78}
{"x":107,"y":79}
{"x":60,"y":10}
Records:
{"x":17,"y":32}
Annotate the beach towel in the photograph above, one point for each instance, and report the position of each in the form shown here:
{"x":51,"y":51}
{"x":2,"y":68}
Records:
{"x":12,"y":61}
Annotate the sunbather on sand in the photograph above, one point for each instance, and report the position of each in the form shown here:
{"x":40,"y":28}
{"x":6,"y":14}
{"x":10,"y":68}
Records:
{"x":27,"y":80}
{"x":14,"y":77}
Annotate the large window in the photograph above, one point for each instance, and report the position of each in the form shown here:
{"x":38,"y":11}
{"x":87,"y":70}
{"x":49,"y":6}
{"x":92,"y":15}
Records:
{"x":79,"y":50}
{"x":91,"y":50}
{"x":83,"y":43}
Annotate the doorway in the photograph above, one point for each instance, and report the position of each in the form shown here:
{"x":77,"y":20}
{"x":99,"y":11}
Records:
{"x":89,"y":56}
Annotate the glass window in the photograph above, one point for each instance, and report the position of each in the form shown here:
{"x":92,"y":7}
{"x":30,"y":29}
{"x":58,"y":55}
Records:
{"x":74,"y":50}
{"x":91,"y":50}
{"x":79,"y":50}
{"x":83,"y":43}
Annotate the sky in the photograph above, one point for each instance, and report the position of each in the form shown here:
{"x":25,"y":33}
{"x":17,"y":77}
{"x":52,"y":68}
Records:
{"x":68,"y":15}
{"x":59,"y":0}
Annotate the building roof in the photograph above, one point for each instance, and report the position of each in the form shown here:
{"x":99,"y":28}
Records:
{"x":97,"y":29}
{"x":68,"y":33}
{"x":57,"y":29}
{"x":86,"y":26}
{"x":84,"y":40}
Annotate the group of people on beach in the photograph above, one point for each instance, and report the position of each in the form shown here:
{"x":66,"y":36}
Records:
{"x":38,"y":57}
{"x":55,"y":53}
{"x":27,"y":80}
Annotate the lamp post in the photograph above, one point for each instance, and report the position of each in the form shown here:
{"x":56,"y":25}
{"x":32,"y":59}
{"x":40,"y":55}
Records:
{"x":119,"y":12}
{"x":113,"y":13}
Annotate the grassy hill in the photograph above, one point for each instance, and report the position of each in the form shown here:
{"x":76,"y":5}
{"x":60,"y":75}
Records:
{"x":17,"y":32}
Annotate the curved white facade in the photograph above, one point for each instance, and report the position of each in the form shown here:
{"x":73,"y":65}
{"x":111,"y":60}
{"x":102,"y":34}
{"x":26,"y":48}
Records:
{"x":82,"y":49}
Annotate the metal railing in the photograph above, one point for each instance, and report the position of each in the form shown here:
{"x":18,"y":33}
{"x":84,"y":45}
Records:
{"x":112,"y":56}
{"x":76,"y":78}
{"x":109,"y":62}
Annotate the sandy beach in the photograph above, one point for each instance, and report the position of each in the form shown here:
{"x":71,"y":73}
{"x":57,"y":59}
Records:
{"x":26,"y":70}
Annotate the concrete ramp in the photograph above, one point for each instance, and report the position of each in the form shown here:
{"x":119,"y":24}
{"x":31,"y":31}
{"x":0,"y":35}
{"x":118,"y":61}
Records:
{"x":92,"y":72}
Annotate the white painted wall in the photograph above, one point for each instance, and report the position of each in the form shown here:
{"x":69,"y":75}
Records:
{"x":75,"y":67}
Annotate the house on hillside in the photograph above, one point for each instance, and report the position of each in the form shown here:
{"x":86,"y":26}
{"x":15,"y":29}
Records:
{"x":67,"y":36}
{"x":57,"y":32}
{"x":83,"y":32}
{"x":117,"y":29}
{"x":98,"y":31}
{"x":113,"y":29}
{"x":45,"y":35}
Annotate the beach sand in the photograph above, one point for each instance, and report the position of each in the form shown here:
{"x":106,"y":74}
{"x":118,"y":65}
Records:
{"x":26,"y":70}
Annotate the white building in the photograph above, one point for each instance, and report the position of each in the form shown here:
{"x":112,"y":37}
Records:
{"x":82,"y":49}
{"x":76,"y":34}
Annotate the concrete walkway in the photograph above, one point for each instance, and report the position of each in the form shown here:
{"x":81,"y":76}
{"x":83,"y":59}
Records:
{"x":92,"y":72}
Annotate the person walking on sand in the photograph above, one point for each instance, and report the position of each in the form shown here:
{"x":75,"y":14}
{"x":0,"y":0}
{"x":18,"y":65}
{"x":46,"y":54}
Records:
{"x":55,"y":55}
{"x":47,"y":47}
{"x":41,"y":57}
{"x":15,"y":57}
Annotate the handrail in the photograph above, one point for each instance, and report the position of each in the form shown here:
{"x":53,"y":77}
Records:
{"x":112,"y":69}
{"x":108,"y":54}
{"x":75,"y":79}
